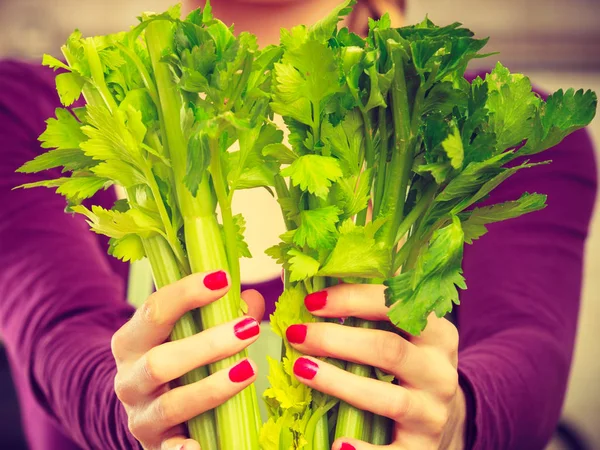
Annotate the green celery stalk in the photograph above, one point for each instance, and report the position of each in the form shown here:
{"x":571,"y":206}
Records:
{"x":352,"y":421}
{"x":206,"y":251}
{"x":165,"y":267}
{"x":166,"y":271}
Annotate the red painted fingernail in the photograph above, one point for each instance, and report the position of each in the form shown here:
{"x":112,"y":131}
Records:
{"x":346,"y":446}
{"x":246,"y":328}
{"x":316,"y":300}
{"x":305,"y":368}
{"x":216,"y":280}
{"x":241,"y":372}
{"x":296,"y":334}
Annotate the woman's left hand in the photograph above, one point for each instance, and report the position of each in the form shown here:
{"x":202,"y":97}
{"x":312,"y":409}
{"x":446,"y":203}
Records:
{"x":427,"y":405}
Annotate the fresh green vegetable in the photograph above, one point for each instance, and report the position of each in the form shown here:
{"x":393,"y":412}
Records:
{"x":390,"y":120}
{"x":387,"y":120}
{"x":165,"y":104}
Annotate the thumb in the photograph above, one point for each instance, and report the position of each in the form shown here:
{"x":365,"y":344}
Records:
{"x":255,"y":302}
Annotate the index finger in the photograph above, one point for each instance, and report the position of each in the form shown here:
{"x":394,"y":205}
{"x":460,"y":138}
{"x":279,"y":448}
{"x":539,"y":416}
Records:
{"x":154,"y":320}
{"x":365,"y":301}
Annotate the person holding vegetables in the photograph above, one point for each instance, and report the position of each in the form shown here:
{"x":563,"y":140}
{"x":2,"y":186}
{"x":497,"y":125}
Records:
{"x":64,"y":317}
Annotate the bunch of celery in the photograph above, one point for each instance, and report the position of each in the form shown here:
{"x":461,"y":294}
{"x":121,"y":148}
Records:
{"x":390,"y":121}
{"x":164,"y":104}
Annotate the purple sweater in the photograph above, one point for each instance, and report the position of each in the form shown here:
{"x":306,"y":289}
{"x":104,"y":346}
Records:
{"x":62,"y":297}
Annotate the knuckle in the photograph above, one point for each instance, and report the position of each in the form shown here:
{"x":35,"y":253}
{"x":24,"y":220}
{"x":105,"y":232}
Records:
{"x":212,"y":347}
{"x":117,"y":345}
{"x":166,"y":412}
{"x":136,"y":428}
{"x":120,"y":388}
{"x":450,"y":337}
{"x":448,"y":385}
{"x":186,"y":291}
{"x":399,"y":408}
{"x":151,"y":367}
{"x":215,"y":397}
{"x":438,"y":420}
{"x":214,"y":392}
{"x":391,"y":349}
{"x":150,"y":311}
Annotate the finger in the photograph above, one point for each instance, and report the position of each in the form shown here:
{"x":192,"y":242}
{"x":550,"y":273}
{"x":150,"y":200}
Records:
{"x":355,"y":444}
{"x":441,"y":334}
{"x":365,"y":301}
{"x":388,"y":351}
{"x":172,"y":360}
{"x":385,"y":399}
{"x":153,"y":321}
{"x":179,"y":443}
{"x":185,"y":402}
{"x":255,"y":302}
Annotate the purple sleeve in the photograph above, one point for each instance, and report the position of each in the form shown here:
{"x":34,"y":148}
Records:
{"x":518,"y":317}
{"x":61,"y":297}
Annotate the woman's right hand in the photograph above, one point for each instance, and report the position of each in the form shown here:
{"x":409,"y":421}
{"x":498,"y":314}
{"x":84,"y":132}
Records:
{"x":147,"y":363}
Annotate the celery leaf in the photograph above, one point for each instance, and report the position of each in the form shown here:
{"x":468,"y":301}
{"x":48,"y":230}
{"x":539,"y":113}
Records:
{"x":432,"y":284}
{"x":314,"y":173}
{"x":474,"y":221}
{"x":317,"y":228}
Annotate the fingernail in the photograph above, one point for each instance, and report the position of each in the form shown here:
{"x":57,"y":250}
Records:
{"x":246,"y":328}
{"x":316,"y":300}
{"x":296,"y":334}
{"x":346,"y":446}
{"x":305,"y":368}
{"x":241,"y":372}
{"x":216,"y":280}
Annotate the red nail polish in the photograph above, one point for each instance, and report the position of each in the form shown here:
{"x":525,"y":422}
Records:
{"x":305,"y":368}
{"x":316,"y":300}
{"x":241,"y":372}
{"x":216,"y":280}
{"x":246,"y":328}
{"x":296,"y":334}
{"x":346,"y":446}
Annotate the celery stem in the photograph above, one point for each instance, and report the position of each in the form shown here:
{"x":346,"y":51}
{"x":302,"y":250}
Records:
{"x":416,"y":212}
{"x":381,"y":430}
{"x":166,"y":271}
{"x":146,"y":78}
{"x":171,"y":232}
{"x":397,"y":177}
{"x":98,"y":74}
{"x":381,"y":165}
{"x":229,"y":229}
{"x":361,"y":217}
{"x":236,"y":422}
{"x":351,"y":421}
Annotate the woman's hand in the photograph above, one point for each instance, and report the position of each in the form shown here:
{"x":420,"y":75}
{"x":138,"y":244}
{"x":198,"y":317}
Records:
{"x":146,"y":363}
{"x":427,"y":405}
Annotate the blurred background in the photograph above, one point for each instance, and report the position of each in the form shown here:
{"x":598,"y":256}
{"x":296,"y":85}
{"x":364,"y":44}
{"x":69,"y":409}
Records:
{"x":555,"y":42}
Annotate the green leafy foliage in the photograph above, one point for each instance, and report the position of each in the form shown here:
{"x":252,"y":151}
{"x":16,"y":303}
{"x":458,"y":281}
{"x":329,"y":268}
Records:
{"x":357,"y":254}
{"x":390,"y":121}
{"x":474,"y":221}
{"x":431,"y":285}
{"x":240,"y":226}
{"x":563,"y":113}
{"x":178,"y":113}
{"x":512,"y":105}
{"x":314,"y":173}
{"x":317,"y":228}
